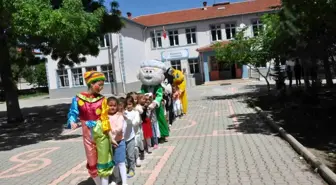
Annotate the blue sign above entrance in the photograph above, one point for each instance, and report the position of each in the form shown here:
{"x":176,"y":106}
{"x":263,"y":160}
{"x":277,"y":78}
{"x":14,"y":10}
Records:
{"x":175,"y":55}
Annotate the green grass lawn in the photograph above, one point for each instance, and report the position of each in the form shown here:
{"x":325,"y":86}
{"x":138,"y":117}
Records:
{"x":27,"y":96}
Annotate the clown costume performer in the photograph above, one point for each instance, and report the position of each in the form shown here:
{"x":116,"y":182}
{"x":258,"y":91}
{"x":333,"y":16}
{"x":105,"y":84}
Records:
{"x":151,"y":76}
{"x":89,"y":110}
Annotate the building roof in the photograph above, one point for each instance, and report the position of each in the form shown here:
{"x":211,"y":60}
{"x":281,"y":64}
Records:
{"x":210,"y":47}
{"x":211,"y":12}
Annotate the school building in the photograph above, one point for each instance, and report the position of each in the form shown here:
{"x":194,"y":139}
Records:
{"x":182,"y":39}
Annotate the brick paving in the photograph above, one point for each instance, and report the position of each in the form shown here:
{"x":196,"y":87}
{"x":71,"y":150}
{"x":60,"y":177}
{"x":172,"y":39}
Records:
{"x":220,"y":141}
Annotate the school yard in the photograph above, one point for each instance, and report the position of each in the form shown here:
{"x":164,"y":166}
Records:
{"x":220,"y":141}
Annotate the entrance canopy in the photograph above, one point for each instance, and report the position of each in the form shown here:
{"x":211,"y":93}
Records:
{"x":211,"y":47}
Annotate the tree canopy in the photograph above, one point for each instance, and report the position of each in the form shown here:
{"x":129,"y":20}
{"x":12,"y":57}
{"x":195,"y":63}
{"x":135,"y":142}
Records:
{"x":252,"y":51}
{"x":67,"y":30}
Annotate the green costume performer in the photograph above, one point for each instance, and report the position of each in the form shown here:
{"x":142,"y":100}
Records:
{"x":151,"y":75}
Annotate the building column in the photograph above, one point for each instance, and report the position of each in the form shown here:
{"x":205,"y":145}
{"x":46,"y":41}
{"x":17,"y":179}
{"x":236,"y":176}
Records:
{"x":206,"y":67}
{"x":245,"y":72}
{"x":70,"y":77}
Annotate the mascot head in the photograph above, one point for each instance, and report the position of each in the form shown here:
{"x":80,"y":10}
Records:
{"x":178,"y":76}
{"x":152,"y":72}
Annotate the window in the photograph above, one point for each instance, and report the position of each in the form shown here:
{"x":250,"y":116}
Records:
{"x":108,"y":72}
{"x":216,"y":32}
{"x":93,"y":68}
{"x":176,"y":64}
{"x":173,"y":38}
{"x":230,"y":30}
{"x":156,"y":39}
{"x":257,"y":27}
{"x":77,"y":77}
{"x":191,"y":35}
{"x":104,"y":41}
{"x":63,"y":78}
{"x":193,"y":66}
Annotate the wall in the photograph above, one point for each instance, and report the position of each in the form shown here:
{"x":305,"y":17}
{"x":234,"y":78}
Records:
{"x":134,"y":45}
{"x":203,"y":36}
{"x":205,"y":61}
{"x":133,"y":49}
{"x":126,"y":63}
{"x":101,"y":59}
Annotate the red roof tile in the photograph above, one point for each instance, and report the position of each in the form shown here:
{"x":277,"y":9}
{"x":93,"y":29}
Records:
{"x":210,"y":47}
{"x":211,"y":12}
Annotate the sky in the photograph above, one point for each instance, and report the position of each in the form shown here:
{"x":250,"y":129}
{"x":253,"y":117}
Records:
{"x":144,"y":7}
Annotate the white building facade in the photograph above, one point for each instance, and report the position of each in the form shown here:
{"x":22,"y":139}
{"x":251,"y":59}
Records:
{"x":181,"y":42}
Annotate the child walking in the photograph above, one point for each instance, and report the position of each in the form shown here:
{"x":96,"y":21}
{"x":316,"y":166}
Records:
{"x":133,"y":119}
{"x":146,"y":123}
{"x":134,"y":96}
{"x":141,"y":101}
{"x":133,"y":111}
{"x":155,"y":124}
{"x":118,"y":126}
{"x":177,"y":102}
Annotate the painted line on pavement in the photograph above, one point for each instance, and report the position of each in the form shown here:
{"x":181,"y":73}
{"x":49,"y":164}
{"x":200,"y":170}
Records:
{"x":68,"y":173}
{"x":157,"y":169}
{"x":29,"y":162}
{"x":193,"y":123}
{"x":232,"y":112}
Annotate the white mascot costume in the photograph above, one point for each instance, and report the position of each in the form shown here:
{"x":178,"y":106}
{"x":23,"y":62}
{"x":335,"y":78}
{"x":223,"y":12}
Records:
{"x":151,"y":75}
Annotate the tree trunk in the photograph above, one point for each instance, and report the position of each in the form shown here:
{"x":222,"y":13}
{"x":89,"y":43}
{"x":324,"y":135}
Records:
{"x":268,"y":85}
{"x":327,"y":72}
{"x":14,"y":113}
{"x":264,"y":76}
{"x":306,"y":72}
{"x":333,"y":63}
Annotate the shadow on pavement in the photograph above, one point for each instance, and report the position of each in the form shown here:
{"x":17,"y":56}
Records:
{"x":88,"y":181}
{"x":243,"y":92}
{"x":41,"y":124}
{"x":250,"y":124}
{"x":309,"y":116}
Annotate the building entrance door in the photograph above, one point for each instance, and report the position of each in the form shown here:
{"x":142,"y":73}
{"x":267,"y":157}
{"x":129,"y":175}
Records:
{"x":220,"y":70}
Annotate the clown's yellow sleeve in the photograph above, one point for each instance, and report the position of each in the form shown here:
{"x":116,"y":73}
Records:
{"x":104,"y":117}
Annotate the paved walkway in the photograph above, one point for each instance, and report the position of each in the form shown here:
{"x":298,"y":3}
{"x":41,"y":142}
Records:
{"x":220,"y":141}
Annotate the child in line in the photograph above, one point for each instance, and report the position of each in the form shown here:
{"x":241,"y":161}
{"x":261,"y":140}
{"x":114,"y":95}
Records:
{"x":140,"y":107}
{"x":135,"y":110}
{"x":155,"y":124}
{"x":133,"y":119}
{"x":134,"y":96}
{"x":146,"y":124}
{"x":118,"y":126}
{"x":177,"y":102}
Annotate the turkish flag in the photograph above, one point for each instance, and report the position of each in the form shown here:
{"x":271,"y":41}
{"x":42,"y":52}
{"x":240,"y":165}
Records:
{"x":164,"y":33}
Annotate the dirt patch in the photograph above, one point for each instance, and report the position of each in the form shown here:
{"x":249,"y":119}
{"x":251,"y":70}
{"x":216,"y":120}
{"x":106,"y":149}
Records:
{"x":311,"y":119}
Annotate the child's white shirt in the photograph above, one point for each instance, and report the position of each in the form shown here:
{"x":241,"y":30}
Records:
{"x":133,"y":120}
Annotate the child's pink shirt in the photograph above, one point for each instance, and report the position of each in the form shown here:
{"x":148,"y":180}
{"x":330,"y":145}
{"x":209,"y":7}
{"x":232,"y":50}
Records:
{"x":117,"y":123}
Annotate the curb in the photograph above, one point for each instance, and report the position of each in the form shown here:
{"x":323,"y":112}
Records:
{"x":328,"y":175}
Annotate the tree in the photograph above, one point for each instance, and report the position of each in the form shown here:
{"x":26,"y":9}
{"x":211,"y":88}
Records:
{"x":253,"y":52}
{"x":308,"y":32}
{"x":65,"y":29}
{"x":36,"y":75}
